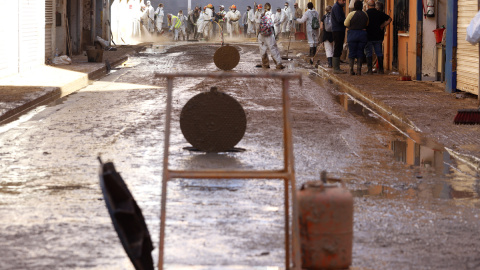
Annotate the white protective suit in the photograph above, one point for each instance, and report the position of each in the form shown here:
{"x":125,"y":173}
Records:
{"x":183,"y":28}
{"x":208,"y":27}
{"x":269,"y":42}
{"x":280,"y":17}
{"x":200,"y":22}
{"x":286,"y":25}
{"x":233,"y":18}
{"x":159,"y":22}
{"x":311,"y":33}
{"x":251,"y":22}
{"x":258,"y":16}
{"x":151,"y":17}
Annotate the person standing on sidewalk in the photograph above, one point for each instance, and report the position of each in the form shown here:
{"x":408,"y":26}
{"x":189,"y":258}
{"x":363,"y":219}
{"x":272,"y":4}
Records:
{"x":338,"y":32}
{"x":375,"y":34}
{"x":327,"y":36}
{"x":313,"y":24}
{"x":356,"y":22}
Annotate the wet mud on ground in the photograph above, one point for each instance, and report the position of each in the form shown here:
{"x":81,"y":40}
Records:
{"x":409,"y":213}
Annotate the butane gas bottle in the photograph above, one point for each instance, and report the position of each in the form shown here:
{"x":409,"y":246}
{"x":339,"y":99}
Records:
{"x":326,"y":225}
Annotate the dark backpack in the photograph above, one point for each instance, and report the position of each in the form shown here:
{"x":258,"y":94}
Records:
{"x":315,"y":22}
{"x":266,"y":26}
{"x":328,"y":22}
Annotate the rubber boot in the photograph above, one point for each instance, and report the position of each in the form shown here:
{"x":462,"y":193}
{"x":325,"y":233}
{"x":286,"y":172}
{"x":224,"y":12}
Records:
{"x":380,"y":65}
{"x":336,"y":66}
{"x":369,"y":66}
{"x":359,"y":66}
{"x":311,"y":55}
{"x":265,"y":62}
{"x":329,"y":59}
{"x":351,"y":64}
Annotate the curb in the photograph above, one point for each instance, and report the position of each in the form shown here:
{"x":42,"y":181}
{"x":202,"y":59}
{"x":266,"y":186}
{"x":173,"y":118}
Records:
{"x":54,"y":94}
{"x":397,"y":117}
{"x":64,"y":90}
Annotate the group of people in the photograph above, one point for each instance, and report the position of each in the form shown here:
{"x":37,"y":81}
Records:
{"x":204,"y":23}
{"x":366,"y":29}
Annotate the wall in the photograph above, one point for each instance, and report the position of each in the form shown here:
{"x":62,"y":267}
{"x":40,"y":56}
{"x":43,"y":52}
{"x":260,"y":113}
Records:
{"x":429,"y":44}
{"x":429,"y":61}
{"x":9,"y":50}
{"x":410,"y":38}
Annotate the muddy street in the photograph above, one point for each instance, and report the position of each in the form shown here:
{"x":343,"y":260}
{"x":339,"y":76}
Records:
{"x":416,"y":206}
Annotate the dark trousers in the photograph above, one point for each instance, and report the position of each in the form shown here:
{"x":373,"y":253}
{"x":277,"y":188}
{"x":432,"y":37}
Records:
{"x":356,"y":39}
{"x":338,"y":39}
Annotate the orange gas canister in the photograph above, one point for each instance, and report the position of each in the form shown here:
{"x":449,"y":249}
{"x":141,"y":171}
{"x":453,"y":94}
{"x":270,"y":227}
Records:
{"x":326,"y":225}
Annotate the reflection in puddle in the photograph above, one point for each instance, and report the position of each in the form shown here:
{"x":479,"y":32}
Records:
{"x":439,"y":174}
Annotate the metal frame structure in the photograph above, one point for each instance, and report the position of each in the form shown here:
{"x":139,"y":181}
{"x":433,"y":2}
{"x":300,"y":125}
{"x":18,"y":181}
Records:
{"x":287,"y":173}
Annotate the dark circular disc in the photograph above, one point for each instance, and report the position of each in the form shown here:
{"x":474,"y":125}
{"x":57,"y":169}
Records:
{"x":213,"y":121}
{"x":226,"y":57}
{"x":127,"y":218}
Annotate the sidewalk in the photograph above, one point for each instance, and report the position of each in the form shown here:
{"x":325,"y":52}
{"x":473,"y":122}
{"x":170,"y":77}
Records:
{"x":416,"y":107}
{"x":23,"y":92}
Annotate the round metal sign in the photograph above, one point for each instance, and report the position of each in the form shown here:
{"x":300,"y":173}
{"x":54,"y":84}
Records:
{"x":226,"y":57}
{"x":213,"y":121}
{"x":126,"y":217}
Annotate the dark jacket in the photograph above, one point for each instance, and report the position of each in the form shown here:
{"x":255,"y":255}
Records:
{"x":338,"y":18}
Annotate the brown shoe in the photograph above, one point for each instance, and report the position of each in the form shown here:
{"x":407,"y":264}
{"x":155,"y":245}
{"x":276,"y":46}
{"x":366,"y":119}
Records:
{"x":280,"y":66}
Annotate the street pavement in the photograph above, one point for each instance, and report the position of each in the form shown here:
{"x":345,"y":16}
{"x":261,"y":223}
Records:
{"x":53,"y":213}
{"x":423,"y":107}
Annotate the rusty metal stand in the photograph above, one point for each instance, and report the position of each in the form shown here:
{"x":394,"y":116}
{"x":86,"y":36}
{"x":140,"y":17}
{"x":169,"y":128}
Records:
{"x":287,"y":173}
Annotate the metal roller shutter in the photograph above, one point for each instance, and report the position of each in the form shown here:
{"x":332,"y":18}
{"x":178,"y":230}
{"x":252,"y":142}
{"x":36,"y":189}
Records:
{"x":49,"y":29}
{"x":467,"y":54}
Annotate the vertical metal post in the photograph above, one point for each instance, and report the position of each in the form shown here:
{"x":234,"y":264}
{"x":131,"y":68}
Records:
{"x":287,"y":225}
{"x":289,"y":165}
{"x":166,"y":176}
{"x":419,"y":41}
{"x":451,"y":47}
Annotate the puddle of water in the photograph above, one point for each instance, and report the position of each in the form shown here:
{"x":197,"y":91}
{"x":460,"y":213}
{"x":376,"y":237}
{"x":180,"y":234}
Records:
{"x":445,"y":177}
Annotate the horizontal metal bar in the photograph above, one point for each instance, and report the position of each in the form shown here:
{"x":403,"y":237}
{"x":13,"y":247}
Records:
{"x":215,"y":174}
{"x":273,"y":75}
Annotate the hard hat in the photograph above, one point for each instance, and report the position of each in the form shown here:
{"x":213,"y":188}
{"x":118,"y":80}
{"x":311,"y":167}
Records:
{"x":209,"y":6}
{"x":260,"y":6}
{"x":233,"y":7}
{"x":222,"y":6}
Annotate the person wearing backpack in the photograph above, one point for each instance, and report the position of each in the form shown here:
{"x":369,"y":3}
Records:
{"x":266,"y":39}
{"x":313,"y":24}
{"x":327,"y":36}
